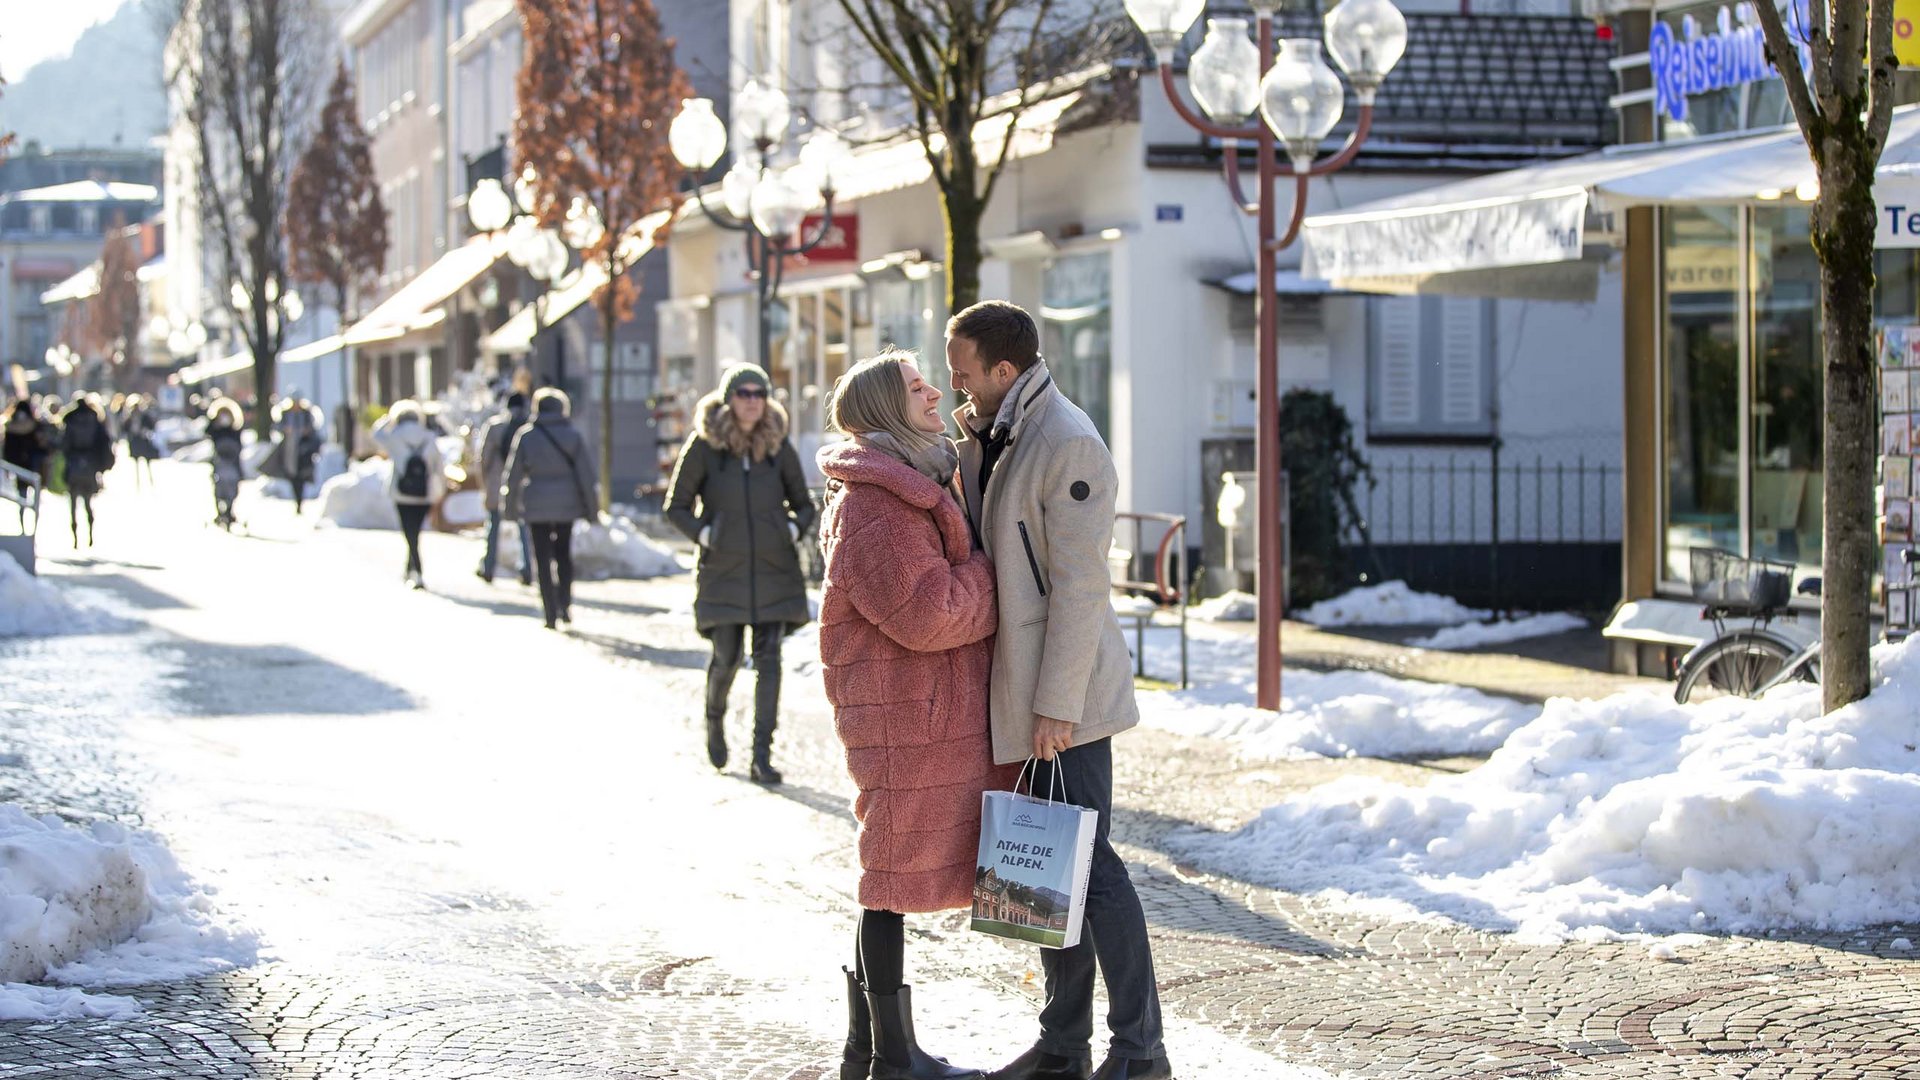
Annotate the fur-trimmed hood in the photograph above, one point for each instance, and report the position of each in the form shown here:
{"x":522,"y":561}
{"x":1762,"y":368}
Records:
{"x":715,"y":424}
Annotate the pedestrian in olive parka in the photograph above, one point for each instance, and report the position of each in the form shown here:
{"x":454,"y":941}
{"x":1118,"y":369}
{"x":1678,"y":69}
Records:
{"x":739,"y":493}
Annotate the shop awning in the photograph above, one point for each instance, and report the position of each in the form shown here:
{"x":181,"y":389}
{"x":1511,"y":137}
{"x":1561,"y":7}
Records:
{"x":1285,"y":282}
{"x":417,"y":306}
{"x":516,"y":334}
{"x":1541,"y":214}
{"x":243,"y":360}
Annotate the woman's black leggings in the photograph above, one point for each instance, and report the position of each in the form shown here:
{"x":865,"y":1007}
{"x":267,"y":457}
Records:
{"x":412,"y":517}
{"x":553,"y":558}
{"x":880,"y":959}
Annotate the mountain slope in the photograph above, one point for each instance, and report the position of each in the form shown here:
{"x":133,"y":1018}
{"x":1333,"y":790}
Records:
{"x":108,"y":93}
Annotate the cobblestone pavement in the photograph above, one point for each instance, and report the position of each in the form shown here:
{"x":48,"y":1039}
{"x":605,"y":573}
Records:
{"x":519,"y":865}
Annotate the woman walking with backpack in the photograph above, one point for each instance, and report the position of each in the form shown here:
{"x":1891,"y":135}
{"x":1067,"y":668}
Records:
{"x":417,"y":480}
{"x":550,"y":484}
{"x":753,"y":508}
{"x":87,"y":445}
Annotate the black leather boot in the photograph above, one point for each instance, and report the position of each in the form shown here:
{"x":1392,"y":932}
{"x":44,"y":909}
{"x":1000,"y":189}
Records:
{"x":762,"y":770}
{"x":856,"y":1061}
{"x":1038,"y":1064}
{"x":896,"y":1054}
{"x":717,"y":740}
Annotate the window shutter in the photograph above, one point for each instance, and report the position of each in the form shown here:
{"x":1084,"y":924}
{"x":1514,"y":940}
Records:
{"x":1396,"y":353}
{"x":1463,"y":362}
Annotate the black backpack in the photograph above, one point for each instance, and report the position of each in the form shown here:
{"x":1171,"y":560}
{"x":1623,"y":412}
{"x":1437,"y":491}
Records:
{"x":413,"y":477}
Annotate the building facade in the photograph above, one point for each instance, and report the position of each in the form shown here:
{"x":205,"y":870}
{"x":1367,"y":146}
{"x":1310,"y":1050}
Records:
{"x":47,"y":235}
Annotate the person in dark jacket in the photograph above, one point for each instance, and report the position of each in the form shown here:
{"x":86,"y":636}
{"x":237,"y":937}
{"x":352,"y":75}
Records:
{"x":137,"y":426}
{"x":28,"y":443}
{"x":297,"y":423}
{"x":738,"y":492}
{"x":550,"y":484}
{"x":87,"y":444}
{"x":496,"y":440}
{"x":224,"y":424}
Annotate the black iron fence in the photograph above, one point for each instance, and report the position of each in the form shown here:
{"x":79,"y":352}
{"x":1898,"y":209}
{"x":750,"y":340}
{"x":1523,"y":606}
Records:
{"x":1536,"y":534}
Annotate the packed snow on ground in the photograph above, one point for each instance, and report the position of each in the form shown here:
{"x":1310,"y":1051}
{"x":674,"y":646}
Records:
{"x":1474,"y":635}
{"x":1390,"y":603}
{"x":1629,"y":814}
{"x":613,"y":547}
{"x":1228,"y":607}
{"x":34,"y":607}
{"x":1331,"y":714}
{"x":358,"y":499}
{"x":97,"y":906}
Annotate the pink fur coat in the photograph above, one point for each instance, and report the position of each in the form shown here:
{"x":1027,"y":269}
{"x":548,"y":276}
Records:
{"x":906,"y":636}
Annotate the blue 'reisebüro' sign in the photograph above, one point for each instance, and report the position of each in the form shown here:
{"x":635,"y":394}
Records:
{"x":1733,"y":53}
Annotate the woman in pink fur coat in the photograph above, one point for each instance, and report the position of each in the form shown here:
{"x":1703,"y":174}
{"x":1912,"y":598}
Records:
{"x":906,"y":636}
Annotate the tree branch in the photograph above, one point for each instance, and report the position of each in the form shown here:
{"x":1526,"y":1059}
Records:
{"x":1786,"y":58}
{"x":1880,"y":79}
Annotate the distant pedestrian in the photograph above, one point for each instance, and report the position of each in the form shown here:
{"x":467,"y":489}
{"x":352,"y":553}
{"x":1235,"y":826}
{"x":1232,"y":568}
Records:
{"x":496,"y":439}
{"x":738,"y":492}
{"x":417,"y":480}
{"x":28,"y":442}
{"x":224,"y":426}
{"x":906,"y":634}
{"x":550,"y":484}
{"x":87,"y":446}
{"x":137,"y":425}
{"x":297,"y":423}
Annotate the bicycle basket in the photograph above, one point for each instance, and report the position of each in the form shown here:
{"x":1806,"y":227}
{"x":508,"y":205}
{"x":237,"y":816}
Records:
{"x":1724,"y":580}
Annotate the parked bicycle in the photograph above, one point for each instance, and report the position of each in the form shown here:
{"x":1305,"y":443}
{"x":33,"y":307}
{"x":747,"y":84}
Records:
{"x":1749,"y":660}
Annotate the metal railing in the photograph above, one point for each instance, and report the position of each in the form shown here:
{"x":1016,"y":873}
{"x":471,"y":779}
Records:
{"x":1166,"y":591}
{"x":21,"y":488}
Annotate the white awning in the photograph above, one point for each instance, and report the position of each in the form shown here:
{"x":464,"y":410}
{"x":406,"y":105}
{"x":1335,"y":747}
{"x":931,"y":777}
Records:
{"x":215,"y":369}
{"x":417,"y":306}
{"x":1539,"y":214}
{"x":314,"y":350}
{"x":516,"y":334}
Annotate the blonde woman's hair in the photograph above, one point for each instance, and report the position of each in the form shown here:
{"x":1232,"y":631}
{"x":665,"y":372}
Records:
{"x":872,"y":397}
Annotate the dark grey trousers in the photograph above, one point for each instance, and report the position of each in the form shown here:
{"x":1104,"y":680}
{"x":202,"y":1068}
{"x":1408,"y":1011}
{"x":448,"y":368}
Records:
{"x":1115,"y":933}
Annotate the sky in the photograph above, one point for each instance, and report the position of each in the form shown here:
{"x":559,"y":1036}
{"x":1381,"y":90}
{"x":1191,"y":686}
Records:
{"x":51,"y":32}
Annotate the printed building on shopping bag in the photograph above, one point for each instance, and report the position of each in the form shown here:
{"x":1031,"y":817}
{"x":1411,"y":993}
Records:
{"x":1003,"y":900}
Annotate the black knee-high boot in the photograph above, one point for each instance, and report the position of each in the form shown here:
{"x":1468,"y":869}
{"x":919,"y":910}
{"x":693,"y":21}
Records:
{"x":856,"y":1060}
{"x":896,"y":1054}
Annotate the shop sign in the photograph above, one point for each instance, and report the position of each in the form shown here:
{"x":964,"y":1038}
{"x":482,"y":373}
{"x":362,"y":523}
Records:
{"x":841,"y":244}
{"x":1906,"y":32}
{"x":1733,"y":52}
{"x":1897,"y":202}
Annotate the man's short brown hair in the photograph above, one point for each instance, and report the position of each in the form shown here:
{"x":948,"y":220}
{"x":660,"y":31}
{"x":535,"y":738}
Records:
{"x":999,"y":331}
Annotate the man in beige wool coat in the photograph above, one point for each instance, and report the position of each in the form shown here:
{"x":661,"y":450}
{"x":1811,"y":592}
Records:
{"x":1040,"y":488}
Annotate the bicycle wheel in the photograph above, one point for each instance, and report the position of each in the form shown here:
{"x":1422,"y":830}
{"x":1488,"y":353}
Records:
{"x":1739,"y":663}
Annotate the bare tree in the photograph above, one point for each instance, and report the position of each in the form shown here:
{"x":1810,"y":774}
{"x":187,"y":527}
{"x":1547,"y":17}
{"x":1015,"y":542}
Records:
{"x":1839,"y":75}
{"x":336,"y":226}
{"x":961,"y":62}
{"x":596,"y":92}
{"x":246,"y":73}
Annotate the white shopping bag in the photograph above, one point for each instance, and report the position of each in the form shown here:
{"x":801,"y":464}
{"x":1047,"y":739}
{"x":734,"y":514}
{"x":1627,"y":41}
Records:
{"x":1035,"y":857}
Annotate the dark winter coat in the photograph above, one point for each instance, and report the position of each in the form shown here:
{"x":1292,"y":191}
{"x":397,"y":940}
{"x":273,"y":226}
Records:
{"x":298,"y":427}
{"x":139,"y":427}
{"x":907,"y":620}
{"x":747,"y":491}
{"x":88,"y":447}
{"x":496,"y":441}
{"x":28,"y":443}
{"x":550,"y":476}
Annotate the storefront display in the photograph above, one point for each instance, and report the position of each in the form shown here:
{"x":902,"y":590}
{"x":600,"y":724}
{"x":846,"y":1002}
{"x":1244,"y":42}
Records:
{"x":1899,"y":373}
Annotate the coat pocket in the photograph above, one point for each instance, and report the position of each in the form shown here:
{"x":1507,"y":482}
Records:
{"x":1033,"y":564}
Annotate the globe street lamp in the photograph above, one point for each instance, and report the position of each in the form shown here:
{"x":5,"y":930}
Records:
{"x":541,"y":252}
{"x":768,"y":202}
{"x":1299,"y":100}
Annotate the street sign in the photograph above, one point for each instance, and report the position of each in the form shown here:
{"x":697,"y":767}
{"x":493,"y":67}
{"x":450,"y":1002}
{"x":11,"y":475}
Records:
{"x":1906,"y":32}
{"x":1177,"y":212}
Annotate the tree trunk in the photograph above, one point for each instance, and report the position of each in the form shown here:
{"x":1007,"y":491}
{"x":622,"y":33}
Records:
{"x":347,"y":420}
{"x":608,"y":323}
{"x":963,"y":211}
{"x":1843,"y":237}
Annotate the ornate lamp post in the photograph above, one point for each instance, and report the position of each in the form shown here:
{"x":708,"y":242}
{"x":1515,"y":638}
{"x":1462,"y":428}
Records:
{"x":1299,"y":100}
{"x":542,"y":253}
{"x":765,"y":201}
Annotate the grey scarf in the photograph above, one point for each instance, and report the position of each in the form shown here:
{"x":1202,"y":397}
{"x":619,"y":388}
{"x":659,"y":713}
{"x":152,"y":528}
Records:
{"x":1010,"y":407}
{"x":936,"y":462}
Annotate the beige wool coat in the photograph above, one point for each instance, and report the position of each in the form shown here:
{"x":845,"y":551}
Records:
{"x":1046,"y":520}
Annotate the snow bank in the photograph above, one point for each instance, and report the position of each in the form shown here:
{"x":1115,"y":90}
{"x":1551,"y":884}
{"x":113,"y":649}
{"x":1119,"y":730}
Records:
{"x":1391,"y":603}
{"x":1333,"y":714}
{"x":97,"y":906}
{"x":358,"y":499}
{"x":1228,"y":607}
{"x":1473,"y":635}
{"x":1629,"y":814}
{"x":329,"y":463}
{"x":608,"y":549}
{"x":31,"y":607}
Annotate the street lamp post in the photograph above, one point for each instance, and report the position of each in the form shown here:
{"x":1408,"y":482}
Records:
{"x":540,"y":252}
{"x":1299,"y":100}
{"x":768,"y":203}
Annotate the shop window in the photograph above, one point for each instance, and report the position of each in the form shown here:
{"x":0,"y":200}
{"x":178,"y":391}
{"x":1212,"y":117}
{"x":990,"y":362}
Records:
{"x":1430,"y":366}
{"x":1787,"y":417}
{"x":632,"y":370}
{"x":1076,"y":332}
{"x":1701,"y":262}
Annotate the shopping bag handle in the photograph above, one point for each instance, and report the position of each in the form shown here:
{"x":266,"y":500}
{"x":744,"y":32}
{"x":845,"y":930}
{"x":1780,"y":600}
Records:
{"x":1056,"y":784}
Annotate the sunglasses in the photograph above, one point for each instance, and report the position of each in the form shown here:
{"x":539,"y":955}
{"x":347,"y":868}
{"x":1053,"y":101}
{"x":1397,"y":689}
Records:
{"x":751,"y":392}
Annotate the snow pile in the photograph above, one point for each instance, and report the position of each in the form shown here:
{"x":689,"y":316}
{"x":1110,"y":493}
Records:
{"x":330,"y":462}
{"x":1629,"y":814}
{"x":1391,"y":603}
{"x":358,"y":499}
{"x":32,"y":607}
{"x":1228,"y":607}
{"x":1473,"y":635}
{"x":97,"y":906}
{"x":1333,"y":714}
{"x":462,"y":509}
{"x":610,"y":548}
